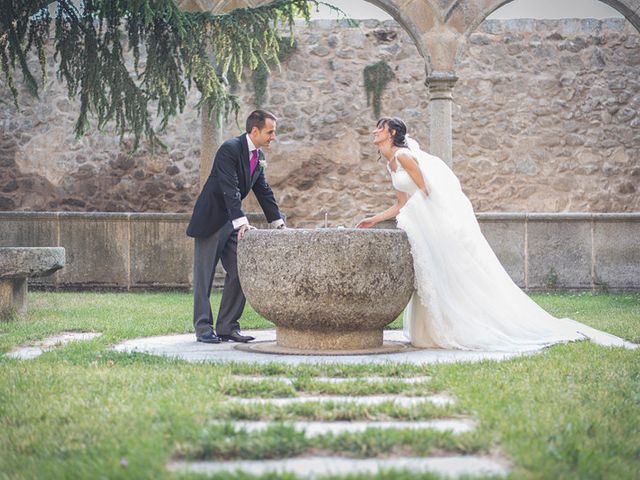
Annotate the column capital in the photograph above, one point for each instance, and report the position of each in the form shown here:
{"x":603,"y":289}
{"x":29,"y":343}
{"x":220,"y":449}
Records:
{"x":441,"y":85}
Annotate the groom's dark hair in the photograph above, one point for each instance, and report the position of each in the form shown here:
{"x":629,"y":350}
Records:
{"x":257,"y":118}
{"x":397,"y":129}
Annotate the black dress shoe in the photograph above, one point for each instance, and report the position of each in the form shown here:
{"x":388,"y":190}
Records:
{"x":208,"y":337}
{"x":236,"y":337}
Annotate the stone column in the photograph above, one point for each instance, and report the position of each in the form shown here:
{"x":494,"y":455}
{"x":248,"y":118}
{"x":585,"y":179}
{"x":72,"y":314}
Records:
{"x":440,"y":86}
{"x":211,"y":136}
{"x":13,"y":296}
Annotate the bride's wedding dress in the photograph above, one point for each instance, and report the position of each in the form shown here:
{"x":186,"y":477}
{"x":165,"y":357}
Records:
{"x":464,"y":298}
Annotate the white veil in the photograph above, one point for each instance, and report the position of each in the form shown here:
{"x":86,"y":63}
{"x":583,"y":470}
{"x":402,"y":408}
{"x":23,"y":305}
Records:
{"x":445,"y":190}
{"x":470,"y":300}
{"x":450,"y":218}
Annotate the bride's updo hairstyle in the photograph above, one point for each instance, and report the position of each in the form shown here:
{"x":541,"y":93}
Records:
{"x":397,"y":130}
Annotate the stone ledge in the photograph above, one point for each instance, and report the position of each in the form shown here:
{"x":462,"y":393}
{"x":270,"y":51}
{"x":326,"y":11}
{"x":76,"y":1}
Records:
{"x":146,"y":216}
{"x":23,"y":262}
{"x":570,"y":26}
{"x":159,"y":255}
{"x":627,"y":217}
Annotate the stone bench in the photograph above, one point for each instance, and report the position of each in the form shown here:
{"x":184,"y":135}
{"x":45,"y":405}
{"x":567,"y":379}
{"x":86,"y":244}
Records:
{"x":17,"y":264}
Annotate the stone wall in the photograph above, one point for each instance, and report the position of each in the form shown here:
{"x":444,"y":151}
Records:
{"x":546,"y":119}
{"x":559,"y":251}
{"x":548,"y":116}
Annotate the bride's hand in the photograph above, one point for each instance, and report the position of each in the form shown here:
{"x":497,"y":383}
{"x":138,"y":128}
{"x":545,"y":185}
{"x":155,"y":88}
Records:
{"x":366,"y":223}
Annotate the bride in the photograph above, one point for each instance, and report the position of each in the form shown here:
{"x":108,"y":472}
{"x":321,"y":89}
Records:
{"x":464,"y":298}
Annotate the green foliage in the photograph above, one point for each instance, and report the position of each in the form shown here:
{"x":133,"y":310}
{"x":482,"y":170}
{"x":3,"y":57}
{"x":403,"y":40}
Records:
{"x":286,"y":47}
{"x":179,"y":49}
{"x":260,"y":76}
{"x":376,"y":78}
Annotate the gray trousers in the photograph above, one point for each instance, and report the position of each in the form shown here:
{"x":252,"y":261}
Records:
{"x":205,"y":258}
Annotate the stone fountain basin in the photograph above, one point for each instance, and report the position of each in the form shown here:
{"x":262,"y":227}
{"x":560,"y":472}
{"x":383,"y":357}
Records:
{"x":327,"y":289}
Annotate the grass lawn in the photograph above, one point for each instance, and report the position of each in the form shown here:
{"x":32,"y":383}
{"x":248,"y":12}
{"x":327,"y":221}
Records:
{"x":83,"y":411}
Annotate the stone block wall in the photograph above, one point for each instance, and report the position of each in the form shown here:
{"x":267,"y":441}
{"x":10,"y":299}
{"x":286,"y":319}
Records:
{"x":546,"y":119}
{"x":548,"y":116}
{"x":122,"y":251}
{"x":128,"y":251}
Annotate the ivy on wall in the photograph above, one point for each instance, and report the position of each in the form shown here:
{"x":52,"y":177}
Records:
{"x":260,"y":76}
{"x":376,"y":78}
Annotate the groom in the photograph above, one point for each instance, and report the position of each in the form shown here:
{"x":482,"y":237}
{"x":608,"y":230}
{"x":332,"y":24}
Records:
{"x":218,"y":223}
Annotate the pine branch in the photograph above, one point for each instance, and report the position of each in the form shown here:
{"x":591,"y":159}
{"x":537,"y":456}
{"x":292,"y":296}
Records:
{"x":181,"y":49}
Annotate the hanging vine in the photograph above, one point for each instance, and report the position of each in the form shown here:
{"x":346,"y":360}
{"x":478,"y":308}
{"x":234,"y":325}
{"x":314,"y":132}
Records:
{"x":178,"y":45}
{"x":376,"y":78}
{"x":260,"y":76}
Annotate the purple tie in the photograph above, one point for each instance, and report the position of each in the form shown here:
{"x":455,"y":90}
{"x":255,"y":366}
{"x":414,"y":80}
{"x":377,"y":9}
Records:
{"x":253,"y":163}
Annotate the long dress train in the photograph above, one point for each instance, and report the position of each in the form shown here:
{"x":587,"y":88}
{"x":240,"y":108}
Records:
{"x":464,"y":298}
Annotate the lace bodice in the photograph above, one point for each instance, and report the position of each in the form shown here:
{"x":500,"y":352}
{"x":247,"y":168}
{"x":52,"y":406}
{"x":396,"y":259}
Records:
{"x":401,"y":179}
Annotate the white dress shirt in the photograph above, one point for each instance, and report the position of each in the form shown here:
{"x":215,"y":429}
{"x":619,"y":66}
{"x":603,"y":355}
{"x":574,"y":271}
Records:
{"x":238,"y":222}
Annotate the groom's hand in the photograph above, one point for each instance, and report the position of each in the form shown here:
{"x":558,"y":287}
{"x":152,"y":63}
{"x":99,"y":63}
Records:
{"x":242,"y":231}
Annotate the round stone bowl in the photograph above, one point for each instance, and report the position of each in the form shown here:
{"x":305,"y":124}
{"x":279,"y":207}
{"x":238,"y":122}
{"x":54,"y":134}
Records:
{"x":327,"y":289}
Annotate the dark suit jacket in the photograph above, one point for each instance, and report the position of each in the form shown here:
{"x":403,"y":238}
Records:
{"x":229,"y":182}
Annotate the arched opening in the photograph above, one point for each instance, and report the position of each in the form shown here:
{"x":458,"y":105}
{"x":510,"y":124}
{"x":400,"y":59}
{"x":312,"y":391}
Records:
{"x":554,"y":9}
{"x":629,"y":9}
{"x":547,"y":114}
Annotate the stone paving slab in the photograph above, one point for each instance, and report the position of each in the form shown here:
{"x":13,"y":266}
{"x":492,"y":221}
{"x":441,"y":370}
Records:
{"x":28,"y":352}
{"x":373,"y":379}
{"x":313,"y":429}
{"x":186,"y":348}
{"x":315,"y":467}
{"x":438,"y":399}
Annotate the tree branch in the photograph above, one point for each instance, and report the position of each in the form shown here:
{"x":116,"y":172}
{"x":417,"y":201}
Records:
{"x":178,"y":46}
